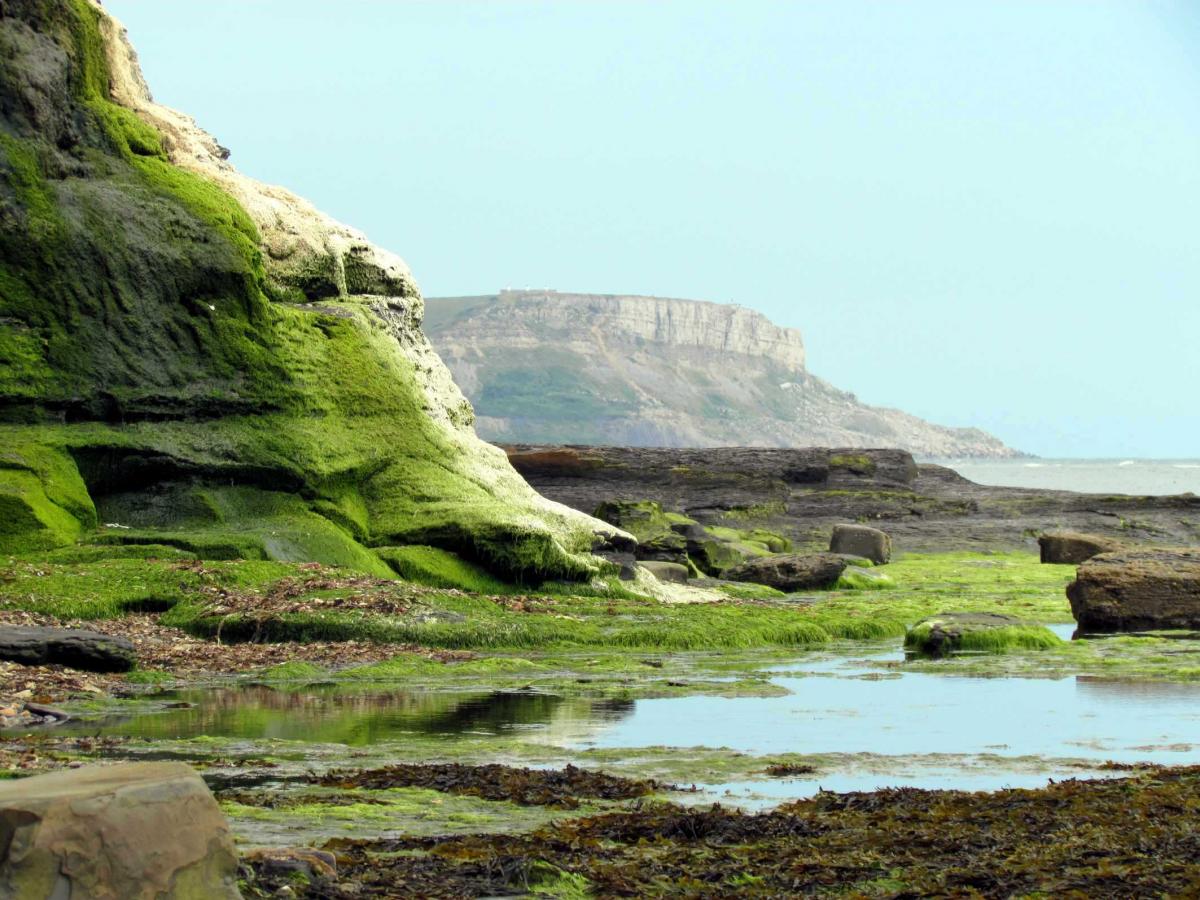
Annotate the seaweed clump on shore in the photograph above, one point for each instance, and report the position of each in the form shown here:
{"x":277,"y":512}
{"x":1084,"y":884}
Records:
{"x":1126,"y":837}
{"x":527,"y":787}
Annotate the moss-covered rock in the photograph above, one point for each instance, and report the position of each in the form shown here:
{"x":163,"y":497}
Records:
{"x":172,"y":329}
{"x":980,"y":632}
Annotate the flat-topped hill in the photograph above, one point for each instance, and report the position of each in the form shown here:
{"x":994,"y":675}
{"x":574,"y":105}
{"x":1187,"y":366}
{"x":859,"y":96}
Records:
{"x":544,"y":366}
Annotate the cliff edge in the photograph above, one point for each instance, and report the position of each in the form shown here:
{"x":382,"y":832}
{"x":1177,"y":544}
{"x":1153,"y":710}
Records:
{"x":550,"y":367}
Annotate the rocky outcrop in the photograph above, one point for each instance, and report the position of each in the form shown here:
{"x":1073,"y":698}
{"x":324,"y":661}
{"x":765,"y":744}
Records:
{"x":1072,"y":548}
{"x":791,"y":572}
{"x":656,"y":371}
{"x":1137,"y":590}
{"x":861,"y":540}
{"x":209,"y":361}
{"x":801,"y":494}
{"x":136,"y":831}
{"x":71,"y":647}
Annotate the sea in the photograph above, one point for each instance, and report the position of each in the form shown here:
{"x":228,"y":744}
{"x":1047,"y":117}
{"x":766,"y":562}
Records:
{"x":1093,"y":476}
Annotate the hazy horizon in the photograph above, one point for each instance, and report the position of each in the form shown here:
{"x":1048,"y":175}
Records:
{"x":982,"y":214}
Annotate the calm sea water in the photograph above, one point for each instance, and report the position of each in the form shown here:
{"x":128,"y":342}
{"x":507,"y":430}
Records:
{"x":1094,"y":476}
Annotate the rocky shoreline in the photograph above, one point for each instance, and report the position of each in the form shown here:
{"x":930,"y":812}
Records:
{"x":802,"y":493}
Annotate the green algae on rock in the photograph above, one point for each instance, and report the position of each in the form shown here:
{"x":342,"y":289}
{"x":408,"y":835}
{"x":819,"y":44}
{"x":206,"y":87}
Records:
{"x":948,"y":633}
{"x":170,"y":328}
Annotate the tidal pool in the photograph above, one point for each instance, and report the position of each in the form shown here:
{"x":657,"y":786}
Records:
{"x":862,"y":726}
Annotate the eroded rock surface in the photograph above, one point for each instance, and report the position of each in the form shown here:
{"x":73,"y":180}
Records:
{"x":1137,"y":590}
{"x":134,"y":831}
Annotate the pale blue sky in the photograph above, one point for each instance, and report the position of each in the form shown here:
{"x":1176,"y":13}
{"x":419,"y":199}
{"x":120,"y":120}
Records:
{"x":980,"y":212}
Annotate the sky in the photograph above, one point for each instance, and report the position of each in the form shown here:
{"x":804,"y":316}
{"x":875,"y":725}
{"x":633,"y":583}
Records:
{"x":983,"y":213}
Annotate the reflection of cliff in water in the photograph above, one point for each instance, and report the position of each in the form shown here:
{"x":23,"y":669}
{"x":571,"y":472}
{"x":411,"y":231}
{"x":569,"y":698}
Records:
{"x":328,"y":714}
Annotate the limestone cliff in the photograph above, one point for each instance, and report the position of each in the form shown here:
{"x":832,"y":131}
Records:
{"x":208,"y":361}
{"x":548,"y":367}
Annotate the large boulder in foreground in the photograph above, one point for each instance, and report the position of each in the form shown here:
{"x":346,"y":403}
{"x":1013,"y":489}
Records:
{"x":861,"y":540}
{"x":74,"y":648}
{"x":1137,"y":590}
{"x":791,"y":572}
{"x":136,"y":831}
{"x":1073,"y":547}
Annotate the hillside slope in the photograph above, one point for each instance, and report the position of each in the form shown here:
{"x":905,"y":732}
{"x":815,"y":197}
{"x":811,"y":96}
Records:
{"x":548,"y":367}
{"x":208,"y":361}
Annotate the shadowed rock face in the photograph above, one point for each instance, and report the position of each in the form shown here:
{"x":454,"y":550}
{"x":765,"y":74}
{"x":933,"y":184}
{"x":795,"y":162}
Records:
{"x":656,"y":371}
{"x":802,"y":494}
{"x":1137,"y":590}
{"x":185,"y":350}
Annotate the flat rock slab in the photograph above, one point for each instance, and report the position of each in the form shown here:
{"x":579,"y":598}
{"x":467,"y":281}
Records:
{"x":134,"y":831}
{"x":1073,"y":547}
{"x":861,"y":540}
{"x":791,"y":571}
{"x":71,"y":647}
{"x":1137,"y":590}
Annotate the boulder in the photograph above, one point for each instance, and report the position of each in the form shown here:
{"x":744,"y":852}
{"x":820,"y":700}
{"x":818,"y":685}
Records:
{"x":861,"y":540}
{"x":134,"y":831}
{"x":791,"y":572}
{"x":666,"y":571}
{"x":1073,"y":548}
{"x":1137,"y":590}
{"x":71,"y":647}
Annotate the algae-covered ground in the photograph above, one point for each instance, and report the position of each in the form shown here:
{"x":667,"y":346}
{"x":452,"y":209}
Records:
{"x":270,"y":676}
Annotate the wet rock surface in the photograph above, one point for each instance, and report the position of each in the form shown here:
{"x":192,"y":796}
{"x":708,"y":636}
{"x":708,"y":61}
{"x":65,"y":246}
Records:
{"x":140,"y":831}
{"x":1137,"y":590}
{"x":75,"y":648}
{"x":792,"y":572}
{"x":803,"y":493}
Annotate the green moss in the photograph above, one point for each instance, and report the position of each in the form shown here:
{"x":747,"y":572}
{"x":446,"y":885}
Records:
{"x":440,"y":568}
{"x":144,"y":318}
{"x":985,"y":639}
{"x":296,"y":670}
{"x":857,"y":463}
{"x":864,"y":580}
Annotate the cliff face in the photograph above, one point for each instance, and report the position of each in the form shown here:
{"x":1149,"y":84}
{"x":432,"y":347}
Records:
{"x":544,"y":367}
{"x":210,"y":361}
